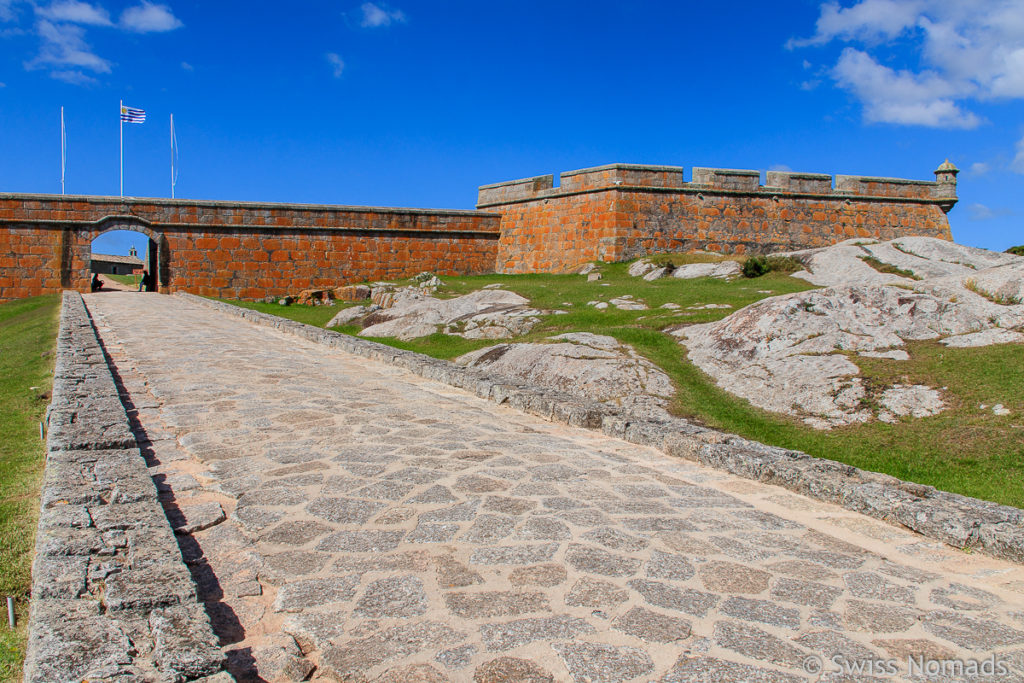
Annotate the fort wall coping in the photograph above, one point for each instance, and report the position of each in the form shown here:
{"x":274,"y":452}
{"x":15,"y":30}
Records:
{"x":73,"y":212}
{"x":763,"y":191}
{"x":727,"y":180}
{"x":111,"y":596}
{"x":39,"y":200}
{"x":957,"y":520}
{"x":814,"y":183}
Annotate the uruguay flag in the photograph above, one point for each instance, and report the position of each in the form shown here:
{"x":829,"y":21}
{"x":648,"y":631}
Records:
{"x":132,"y":115}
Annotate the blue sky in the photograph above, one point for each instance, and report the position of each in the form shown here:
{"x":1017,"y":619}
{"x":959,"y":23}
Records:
{"x":418,"y":103}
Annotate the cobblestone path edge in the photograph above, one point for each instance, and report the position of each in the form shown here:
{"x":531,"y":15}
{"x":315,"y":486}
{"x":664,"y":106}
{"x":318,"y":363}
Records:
{"x":960,"y":521}
{"x":112,"y":598}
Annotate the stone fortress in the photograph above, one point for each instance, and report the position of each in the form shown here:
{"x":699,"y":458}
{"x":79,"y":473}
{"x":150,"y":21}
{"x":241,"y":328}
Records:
{"x":246,"y":250}
{"x":231,"y":495}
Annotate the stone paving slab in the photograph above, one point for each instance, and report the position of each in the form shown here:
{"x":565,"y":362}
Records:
{"x":376,"y":525}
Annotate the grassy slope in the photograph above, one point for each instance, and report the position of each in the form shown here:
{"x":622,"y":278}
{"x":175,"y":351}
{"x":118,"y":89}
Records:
{"x":311,"y":315}
{"x":28,"y":329}
{"x":964,"y":449}
{"x":125,"y":279}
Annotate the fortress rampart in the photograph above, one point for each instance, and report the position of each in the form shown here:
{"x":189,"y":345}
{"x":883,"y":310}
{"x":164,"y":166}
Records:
{"x":237,"y":250}
{"x":247,"y":250}
{"x":621,"y":211}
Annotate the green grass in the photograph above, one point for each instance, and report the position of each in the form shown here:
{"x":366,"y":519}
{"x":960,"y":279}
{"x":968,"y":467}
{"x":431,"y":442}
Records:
{"x":963,"y":449}
{"x":756,"y":266}
{"x":995,"y":298}
{"x":28,"y":329}
{"x":883,"y":267}
{"x":310,"y":315}
{"x":125,"y":279}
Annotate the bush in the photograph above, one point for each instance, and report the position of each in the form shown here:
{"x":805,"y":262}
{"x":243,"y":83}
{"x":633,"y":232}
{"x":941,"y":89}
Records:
{"x":665,"y":263}
{"x":756,"y":266}
{"x":1019,"y":251}
{"x":784,"y":264}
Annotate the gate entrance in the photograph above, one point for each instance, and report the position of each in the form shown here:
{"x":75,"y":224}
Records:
{"x":123,"y":260}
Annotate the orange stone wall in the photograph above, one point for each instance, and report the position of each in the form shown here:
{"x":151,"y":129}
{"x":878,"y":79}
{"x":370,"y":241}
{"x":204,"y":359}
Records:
{"x":607,"y":213}
{"x":237,"y":264}
{"x":236,"y":250}
{"x":30,"y":258}
{"x":618,"y":212}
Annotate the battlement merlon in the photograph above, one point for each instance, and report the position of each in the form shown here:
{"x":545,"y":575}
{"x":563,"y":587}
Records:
{"x":611,"y":175}
{"x":670,"y":179}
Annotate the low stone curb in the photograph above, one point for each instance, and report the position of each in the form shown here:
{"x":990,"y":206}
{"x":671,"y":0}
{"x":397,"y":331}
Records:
{"x":112,"y":598}
{"x":957,"y":520}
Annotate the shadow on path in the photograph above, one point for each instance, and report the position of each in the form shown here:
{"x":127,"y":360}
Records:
{"x":223,"y":620}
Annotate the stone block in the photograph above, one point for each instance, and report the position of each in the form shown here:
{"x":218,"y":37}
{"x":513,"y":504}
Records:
{"x":149,"y":587}
{"x":184,"y":645}
{"x":71,"y":640}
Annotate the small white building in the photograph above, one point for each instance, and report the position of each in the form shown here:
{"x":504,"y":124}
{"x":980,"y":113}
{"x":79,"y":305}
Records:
{"x":110,"y":264}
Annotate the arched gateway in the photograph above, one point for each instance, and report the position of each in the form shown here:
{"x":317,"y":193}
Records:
{"x":157,"y":245}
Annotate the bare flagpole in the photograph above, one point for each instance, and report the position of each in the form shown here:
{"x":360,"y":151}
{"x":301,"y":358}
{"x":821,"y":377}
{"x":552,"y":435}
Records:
{"x":63,"y":150}
{"x":173,"y":154}
{"x":120,"y":118}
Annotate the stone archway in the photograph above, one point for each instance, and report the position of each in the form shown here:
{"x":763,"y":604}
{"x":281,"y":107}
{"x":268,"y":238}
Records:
{"x":158,"y":252}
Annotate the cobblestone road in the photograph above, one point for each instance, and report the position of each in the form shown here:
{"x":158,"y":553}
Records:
{"x":347,"y":520}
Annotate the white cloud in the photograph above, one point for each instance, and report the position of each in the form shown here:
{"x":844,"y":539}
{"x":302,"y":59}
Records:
{"x":980,"y":212}
{"x":64,"y":46}
{"x":1010,"y":81}
{"x":979,"y":168}
{"x":61,"y":27}
{"x":780,"y":167}
{"x":891,"y":96}
{"x":149,"y":18}
{"x":337,"y":65}
{"x":7,"y":10}
{"x":73,"y":77}
{"x":187,"y":67}
{"x":377,"y":15}
{"x":75,"y":12}
{"x":868,"y":20}
{"x":960,"y":51}
{"x":1017,"y":165}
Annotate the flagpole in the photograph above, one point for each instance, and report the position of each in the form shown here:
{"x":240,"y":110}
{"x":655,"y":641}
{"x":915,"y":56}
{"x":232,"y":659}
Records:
{"x":172,"y":156}
{"x":63,"y":150}
{"x":120,"y":119}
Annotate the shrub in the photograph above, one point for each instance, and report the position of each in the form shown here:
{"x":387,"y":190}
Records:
{"x":784,"y":264}
{"x":665,"y":263}
{"x":756,"y":266}
{"x":1019,"y":250}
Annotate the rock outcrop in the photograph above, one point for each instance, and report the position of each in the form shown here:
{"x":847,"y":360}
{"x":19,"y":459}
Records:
{"x":349,"y":315}
{"x":723,"y":269}
{"x":925,"y":257}
{"x":484,"y":314}
{"x":594,"y":366}
{"x":789,"y":354}
{"x":649,"y":271}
